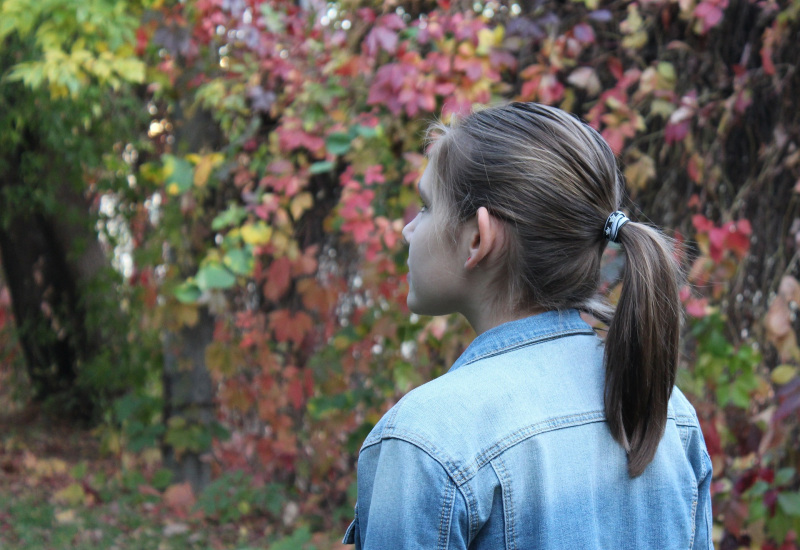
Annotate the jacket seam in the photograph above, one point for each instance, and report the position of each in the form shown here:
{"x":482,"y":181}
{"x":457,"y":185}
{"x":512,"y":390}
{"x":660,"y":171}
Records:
{"x":446,"y":515}
{"x":468,"y":471}
{"x":508,"y":503}
{"x":471,"y":503}
{"x":695,"y":497}
{"x":525,"y":343}
{"x":463,"y":474}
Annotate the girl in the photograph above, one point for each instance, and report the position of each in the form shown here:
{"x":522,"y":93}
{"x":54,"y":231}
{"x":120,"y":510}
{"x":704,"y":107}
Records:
{"x":540,"y":436}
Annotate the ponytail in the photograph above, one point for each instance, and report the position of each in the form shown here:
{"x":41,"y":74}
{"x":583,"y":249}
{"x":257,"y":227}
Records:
{"x":641,"y":351}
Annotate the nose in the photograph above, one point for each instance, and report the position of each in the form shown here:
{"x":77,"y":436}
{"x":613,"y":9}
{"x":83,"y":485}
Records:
{"x":408,"y":230}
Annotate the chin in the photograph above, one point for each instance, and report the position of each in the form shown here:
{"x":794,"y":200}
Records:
{"x":426,"y":307}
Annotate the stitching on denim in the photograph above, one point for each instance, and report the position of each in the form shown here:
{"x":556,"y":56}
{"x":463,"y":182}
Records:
{"x":472,"y":515}
{"x":685,"y":420}
{"x":446,"y":515}
{"x":373,"y":439}
{"x":530,"y":342}
{"x":500,"y":471}
{"x":367,"y":444}
{"x":703,"y":456}
{"x":683,"y":430}
{"x":525,"y":433}
{"x":466,"y":472}
{"x":694,"y":515}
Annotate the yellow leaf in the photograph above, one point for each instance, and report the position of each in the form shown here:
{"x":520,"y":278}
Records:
{"x":219,"y":359}
{"x":783,"y":374}
{"x":173,"y":189}
{"x":48,"y":467}
{"x":256,"y":233}
{"x":632,"y":27}
{"x":71,"y":495}
{"x":205,"y":165}
{"x":638,"y":174}
{"x":66,"y":516}
{"x":281,"y":243}
{"x":300,"y":204}
{"x":186,"y":314}
{"x":487,"y":39}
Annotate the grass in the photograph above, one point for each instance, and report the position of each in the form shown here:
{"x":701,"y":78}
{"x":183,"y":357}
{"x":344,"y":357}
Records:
{"x":58,"y":489}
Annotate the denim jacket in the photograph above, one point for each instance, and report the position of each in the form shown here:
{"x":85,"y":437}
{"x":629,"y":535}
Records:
{"x":510,"y":450}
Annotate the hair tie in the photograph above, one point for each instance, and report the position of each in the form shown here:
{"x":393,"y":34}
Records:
{"x":613,"y":224}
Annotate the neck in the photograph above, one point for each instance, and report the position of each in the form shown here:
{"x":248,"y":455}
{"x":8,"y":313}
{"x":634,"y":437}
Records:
{"x":486,"y":318}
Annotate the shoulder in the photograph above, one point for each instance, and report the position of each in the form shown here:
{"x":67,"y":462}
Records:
{"x":682,"y":410}
{"x":489,"y":404}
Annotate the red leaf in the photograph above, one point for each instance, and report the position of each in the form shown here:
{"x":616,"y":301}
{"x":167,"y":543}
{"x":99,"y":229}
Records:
{"x":380,"y":37}
{"x":279,"y":278}
{"x":295,"y":393}
{"x":290,"y":326}
{"x":766,"y":60}
{"x":710,"y":13}
{"x":701,"y":223}
{"x":697,"y":307}
{"x":676,"y":132}
{"x":711,"y":436}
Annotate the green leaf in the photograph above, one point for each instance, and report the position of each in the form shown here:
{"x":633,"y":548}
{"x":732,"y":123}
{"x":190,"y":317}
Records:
{"x":187,"y":293}
{"x":214,"y":276}
{"x":161,"y":479}
{"x":784,"y":476}
{"x":338,"y":143}
{"x":233,"y":215}
{"x":790,"y":503}
{"x":365,"y":131}
{"x":321,"y":167}
{"x":294,"y":541}
{"x":239,"y":260}
{"x":178,"y":174}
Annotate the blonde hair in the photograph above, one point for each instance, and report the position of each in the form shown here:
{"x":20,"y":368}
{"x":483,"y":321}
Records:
{"x":554,"y":181}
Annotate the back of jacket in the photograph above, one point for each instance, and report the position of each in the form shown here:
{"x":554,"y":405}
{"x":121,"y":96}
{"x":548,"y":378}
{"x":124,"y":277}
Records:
{"x":510,"y":450}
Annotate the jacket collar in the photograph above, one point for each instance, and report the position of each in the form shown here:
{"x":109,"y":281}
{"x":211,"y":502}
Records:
{"x":523,"y":332}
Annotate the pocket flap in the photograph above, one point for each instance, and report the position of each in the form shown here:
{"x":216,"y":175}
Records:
{"x":350,"y":534}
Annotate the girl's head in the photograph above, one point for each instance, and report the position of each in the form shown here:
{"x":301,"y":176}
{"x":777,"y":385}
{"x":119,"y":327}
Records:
{"x":551,"y":179}
{"x":547,"y":183}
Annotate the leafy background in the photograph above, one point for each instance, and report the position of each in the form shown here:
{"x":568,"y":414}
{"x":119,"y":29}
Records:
{"x":203,"y":305}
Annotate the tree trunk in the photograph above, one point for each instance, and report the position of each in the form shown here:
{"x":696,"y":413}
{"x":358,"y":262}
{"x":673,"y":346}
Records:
{"x":188,"y":391}
{"x":188,"y":396}
{"x":45,"y":280}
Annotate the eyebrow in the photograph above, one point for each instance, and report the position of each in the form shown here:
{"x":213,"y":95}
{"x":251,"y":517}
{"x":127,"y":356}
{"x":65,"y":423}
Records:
{"x":421,"y":193}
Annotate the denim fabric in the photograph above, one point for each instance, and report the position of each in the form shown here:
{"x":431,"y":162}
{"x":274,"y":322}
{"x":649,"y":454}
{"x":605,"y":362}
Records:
{"x":510,"y":450}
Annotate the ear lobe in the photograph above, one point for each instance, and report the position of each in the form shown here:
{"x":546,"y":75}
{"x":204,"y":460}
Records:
{"x":485,"y":238}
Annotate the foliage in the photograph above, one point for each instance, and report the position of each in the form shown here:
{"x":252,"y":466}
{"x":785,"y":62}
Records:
{"x":66,"y":101}
{"x":286,"y":221}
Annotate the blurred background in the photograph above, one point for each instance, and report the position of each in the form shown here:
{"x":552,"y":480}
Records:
{"x":202,"y":296}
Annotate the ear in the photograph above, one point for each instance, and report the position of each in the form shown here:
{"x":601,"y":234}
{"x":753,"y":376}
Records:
{"x":484,"y":238}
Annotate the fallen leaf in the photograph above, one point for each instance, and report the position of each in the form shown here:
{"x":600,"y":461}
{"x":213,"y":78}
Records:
{"x":71,"y":495}
{"x":65,"y":516}
{"x":179,"y":497}
{"x":173,"y":529}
